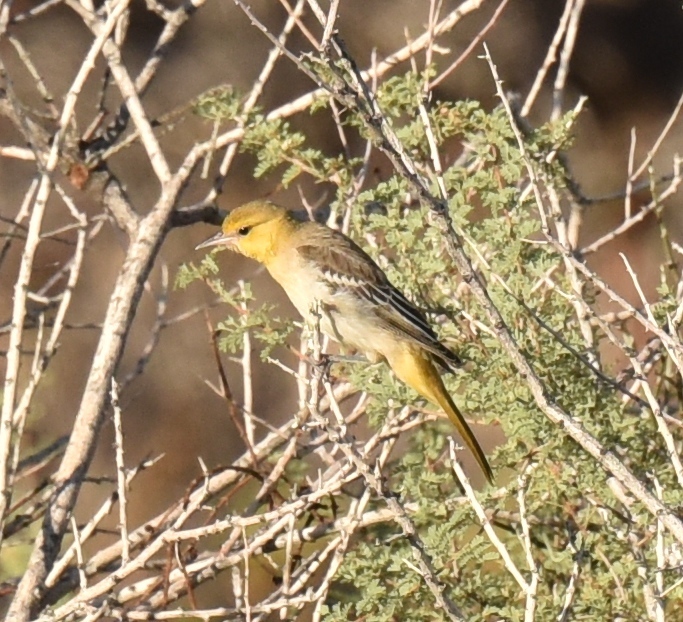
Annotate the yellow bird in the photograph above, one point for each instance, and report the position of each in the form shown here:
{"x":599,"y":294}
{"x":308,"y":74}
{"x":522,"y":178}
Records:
{"x":320,"y":268}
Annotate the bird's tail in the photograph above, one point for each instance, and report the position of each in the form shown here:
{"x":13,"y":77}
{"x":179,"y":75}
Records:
{"x":415,"y":367}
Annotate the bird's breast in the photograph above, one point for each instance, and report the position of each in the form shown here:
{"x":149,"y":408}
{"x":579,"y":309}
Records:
{"x":344,"y":316}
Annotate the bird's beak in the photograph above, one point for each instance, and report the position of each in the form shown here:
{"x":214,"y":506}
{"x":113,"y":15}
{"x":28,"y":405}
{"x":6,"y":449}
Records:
{"x":220,"y":239}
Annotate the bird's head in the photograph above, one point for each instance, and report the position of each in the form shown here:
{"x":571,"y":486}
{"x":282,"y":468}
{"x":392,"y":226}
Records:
{"x":254,"y":230}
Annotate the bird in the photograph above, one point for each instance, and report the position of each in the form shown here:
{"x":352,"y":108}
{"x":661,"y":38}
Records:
{"x":328,"y":276}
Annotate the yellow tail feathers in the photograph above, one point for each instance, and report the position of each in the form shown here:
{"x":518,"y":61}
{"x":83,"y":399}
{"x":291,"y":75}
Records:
{"x":414,"y":366}
{"x":444,"y":400}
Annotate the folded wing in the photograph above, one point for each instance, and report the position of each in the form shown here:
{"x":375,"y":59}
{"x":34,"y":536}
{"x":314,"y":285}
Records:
{"x":344,"y":264}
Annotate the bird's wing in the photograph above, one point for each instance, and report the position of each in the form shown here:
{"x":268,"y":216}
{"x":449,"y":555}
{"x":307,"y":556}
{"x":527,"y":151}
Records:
{"x":345,"y":264}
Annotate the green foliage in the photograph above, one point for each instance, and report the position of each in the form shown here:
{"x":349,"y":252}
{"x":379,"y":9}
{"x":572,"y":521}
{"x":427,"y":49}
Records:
{"x":275,"y":144}
{"x":219,"y":104}
{"x":573,"y":514}
{"x":271,"y":331}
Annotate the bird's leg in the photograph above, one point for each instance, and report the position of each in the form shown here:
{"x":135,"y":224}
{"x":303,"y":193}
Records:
{"x":324,"y":363}
{"x":327,"y":360}
{"x":346,"y":358}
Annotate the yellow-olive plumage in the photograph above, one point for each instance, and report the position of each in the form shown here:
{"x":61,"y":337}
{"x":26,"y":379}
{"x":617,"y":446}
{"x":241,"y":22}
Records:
{"x":320,"y":268}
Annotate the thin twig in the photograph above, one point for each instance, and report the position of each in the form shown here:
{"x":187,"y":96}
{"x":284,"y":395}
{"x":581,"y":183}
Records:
{"x":120,"y":473}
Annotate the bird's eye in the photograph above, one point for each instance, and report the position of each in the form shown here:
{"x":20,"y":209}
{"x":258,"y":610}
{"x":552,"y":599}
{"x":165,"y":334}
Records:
{"x":243,"y":230}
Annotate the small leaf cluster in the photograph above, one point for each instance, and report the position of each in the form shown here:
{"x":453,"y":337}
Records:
{"x":260,"y":321}
{"x":274,"y":144}
{"x":219,"y":104}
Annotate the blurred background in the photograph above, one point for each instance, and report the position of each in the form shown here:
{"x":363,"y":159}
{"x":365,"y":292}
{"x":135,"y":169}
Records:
{"x":627,"y":61}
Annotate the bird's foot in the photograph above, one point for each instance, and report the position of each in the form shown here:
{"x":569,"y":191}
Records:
{"x":325,"y":361}
{"x":347,"y":358}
